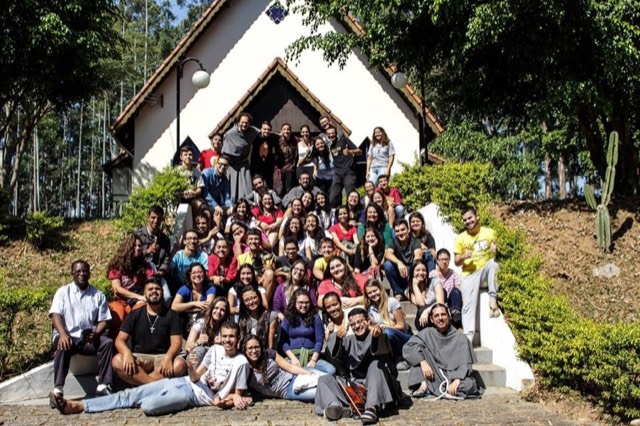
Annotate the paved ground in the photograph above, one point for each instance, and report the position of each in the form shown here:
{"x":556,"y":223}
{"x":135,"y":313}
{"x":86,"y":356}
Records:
{"x":499,"y":408}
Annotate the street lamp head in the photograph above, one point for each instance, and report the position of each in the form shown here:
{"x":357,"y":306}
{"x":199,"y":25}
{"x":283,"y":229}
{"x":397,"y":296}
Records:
{"x":200,"y":79}
{"x":399,"y":80}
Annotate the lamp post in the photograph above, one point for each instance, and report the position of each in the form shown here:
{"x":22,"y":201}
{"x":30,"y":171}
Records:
{"x":200,"y":80}
{"x":399,"y":80}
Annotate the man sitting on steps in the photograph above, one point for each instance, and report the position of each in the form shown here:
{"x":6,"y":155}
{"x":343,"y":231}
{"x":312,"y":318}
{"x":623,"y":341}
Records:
{"x":475,"y":250}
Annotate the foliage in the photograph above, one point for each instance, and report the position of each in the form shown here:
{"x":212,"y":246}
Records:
{"x":43,"y":230}
{"x":52,"y":54}
{"x":451,"y":186}
{"x":578,"y":64}
{"x":565,"y":350}
{"x":603,"y":221}
{"x":165,"y":190}
{"x":515,"y":158}
{"x":15,"y":301}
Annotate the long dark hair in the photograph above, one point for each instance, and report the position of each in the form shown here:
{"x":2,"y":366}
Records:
{"x":320,"y":232}
{"x":422,"y":236}
{"x":187,"y":275}
{"x":248,"y":215}
{"x":377,"y":249}
{"x":324,"y":156}
{"x":349,"y":280}
{"x":382,"y":220}
{"x":262,"y":329}
{"x":299,"y":236}
{"x":294,"y":317}
{"x":124,"y":261}
{"x":412,"y":272}
{"x":263,"y":360}
{"x":210,"y":327}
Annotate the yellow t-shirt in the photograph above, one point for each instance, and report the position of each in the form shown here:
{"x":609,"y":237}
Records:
{"x":480,"y":246}
{"x":247,"y":258}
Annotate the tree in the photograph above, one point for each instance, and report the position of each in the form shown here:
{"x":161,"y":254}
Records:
{"x":52,"y":53}
{"x":526,"y":61}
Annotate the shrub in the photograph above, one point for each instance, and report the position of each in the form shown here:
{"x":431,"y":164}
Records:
{"x":165,"y":190}
{"x":450,"y":185}
{"x":15,"y":301}
{"x":44,"y":230}
{"x":565,"y":350}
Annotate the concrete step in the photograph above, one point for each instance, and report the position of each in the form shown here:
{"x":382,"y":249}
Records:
{"x":487,"y":376}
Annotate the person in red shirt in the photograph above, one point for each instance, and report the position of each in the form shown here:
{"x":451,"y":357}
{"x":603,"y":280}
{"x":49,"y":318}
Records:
{"x":209,"y":157}
{"x":223,"y":266}
{"x":269,"y":218}
{"x":393,"y":195}
{"x":339,"y":279}
{"x":344,"y":233}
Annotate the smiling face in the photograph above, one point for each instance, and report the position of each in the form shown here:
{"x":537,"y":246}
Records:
{"x":258,"y":184}
{"x":298,"y":272}
{"x":81,"y":274}
{"x":305,"y":181}
{"x":154,"y":221}
{"x":267,"y":202}
{"x":229,"y":337}
{"x":319,"y":144}
{"x":241,"y":209}
{"x":325,"y":123}
{"x":378,"y":199}
{"x":251,"y":300}
{"x":216,"y":143}
{"x":265,"y":130}
{"x":311,"y":223}
{"x":383,"y":182}
{"x":370,"y":238}
{"x":202,"y":225}
{"x":294,"y":225}
{"x":303,"y":303}
{"x":219,"y":311}
{"x":470,"y":220}
{"x":326,"y":248}
{"x":191,"y":241}
{"x":373,"y":293}
{"x":443,"y":263}
{"x":416,"y":224}
{"x":337,"y":270}
{"x":440,"y":318}
{"x":296,"y":207}
{"x":307,"y":199}
{"x":402,"y":232}
{"x":253,"y":241}
{"x":353,"y":199}
{"x":304,"y":132}
{"x":321,"y":199}
{"x":252,"y":350}
{"x":244,"y":123}
{"x":137,"y":248}
{"x":285,"y":131}
{"x":222,"y":166}
{"x":246,"y":276}
{"x":334,"y":309}
{"x":291,"y":250}
{"x":332,"y":135}
{"x":359,"y":324}
{"x":420,"y":272}
{"x":343,"y":215}
{"x":377,"y":134}
{"x":238,"y":231}
{"x":186,"y":157}
{"x":196,"y":275}
{"x":369,"y":187}
{"x":372,"y":215}
{"x":221,"y":249}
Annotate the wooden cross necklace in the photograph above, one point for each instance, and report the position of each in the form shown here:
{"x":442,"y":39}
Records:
{"x":152,"y":327}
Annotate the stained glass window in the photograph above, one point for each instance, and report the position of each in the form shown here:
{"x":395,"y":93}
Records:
{"x":277,"y":12}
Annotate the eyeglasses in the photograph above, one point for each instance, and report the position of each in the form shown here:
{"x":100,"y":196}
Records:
{"x":444,"y":260}
{"x":223,"y":165}
{"x":251,"y":299}
{"x":252,"y":348}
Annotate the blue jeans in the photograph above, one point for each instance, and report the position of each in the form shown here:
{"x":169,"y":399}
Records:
{"x":325,"y":367}
{"x":429,"y":260}
{"x":375,"y":172}
{"x":155,"y":399}
{"x":307,"y":395}
{"x":454,"y":299}
{"x":397,"y":339}
{"x":398,"y":284}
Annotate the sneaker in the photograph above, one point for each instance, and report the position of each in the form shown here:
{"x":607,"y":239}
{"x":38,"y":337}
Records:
{"x":103,"y":390}
{"x":336,"y":412}
{"x":369,"y":417}
{"x":402,"y":365}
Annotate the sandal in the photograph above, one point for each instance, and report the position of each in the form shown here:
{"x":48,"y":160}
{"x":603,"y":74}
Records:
{"x":421,"y":392}
{"x":369,"y":417}
{"x":494,"y":310}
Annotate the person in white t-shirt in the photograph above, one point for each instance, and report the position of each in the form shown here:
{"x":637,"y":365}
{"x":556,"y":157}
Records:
{"x":220,"y":380}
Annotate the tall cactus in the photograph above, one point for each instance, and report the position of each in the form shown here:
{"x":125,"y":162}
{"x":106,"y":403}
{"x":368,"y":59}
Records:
{"x":603,"y":221}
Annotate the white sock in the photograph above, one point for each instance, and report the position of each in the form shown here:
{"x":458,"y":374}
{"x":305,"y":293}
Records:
{"x":101,"y":387}
{"x":58,"y":390}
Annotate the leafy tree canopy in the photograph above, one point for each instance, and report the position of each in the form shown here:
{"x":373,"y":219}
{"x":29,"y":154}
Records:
{"x":529,"y":61}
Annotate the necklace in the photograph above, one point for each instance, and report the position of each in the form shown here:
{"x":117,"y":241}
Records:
{"x":152,"y":325}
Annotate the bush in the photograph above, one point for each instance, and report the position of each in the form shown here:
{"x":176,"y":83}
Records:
{"x":44,"y":230}
{"x":164,"y":190}
{"x":15,"y":302}
{"x":566,"y":351}
{"x":450,"y":185}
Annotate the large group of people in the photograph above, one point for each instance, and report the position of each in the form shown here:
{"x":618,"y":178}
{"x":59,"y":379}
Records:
{"x":278,"y":290}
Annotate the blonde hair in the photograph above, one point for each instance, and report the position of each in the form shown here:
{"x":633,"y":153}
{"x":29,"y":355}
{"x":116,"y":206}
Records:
{"x":382,"y":305}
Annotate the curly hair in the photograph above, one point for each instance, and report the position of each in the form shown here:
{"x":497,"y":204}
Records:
{"x":262,"y":328}
{"x":187,"y":275}
{"x":262,"y":363}
{"x":294,"y":317}
{"x":210,"y":327}
{"x":124,"y":261}
{"x":349,"y":282}
{"x":379,"y":225}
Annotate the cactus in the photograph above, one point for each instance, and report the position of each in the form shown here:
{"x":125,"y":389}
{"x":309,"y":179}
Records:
{"x":603,"y":220}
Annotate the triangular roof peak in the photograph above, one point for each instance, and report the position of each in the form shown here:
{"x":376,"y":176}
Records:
{"x":206,"y":20}
{"x":277,"y":67}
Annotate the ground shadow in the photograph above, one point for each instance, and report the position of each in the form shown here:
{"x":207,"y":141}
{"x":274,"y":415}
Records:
{"x":622,"y":229}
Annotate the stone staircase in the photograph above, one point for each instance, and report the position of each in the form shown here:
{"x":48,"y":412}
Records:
{"x":486,"y":372}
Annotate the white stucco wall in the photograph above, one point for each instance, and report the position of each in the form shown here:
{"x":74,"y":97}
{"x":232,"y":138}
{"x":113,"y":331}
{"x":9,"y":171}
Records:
{"x":236,"y":50}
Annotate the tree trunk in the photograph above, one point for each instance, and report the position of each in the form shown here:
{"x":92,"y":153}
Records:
{"x":79,"y":161}
{"x":562,"y":178}
{"x":547,"y":178}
